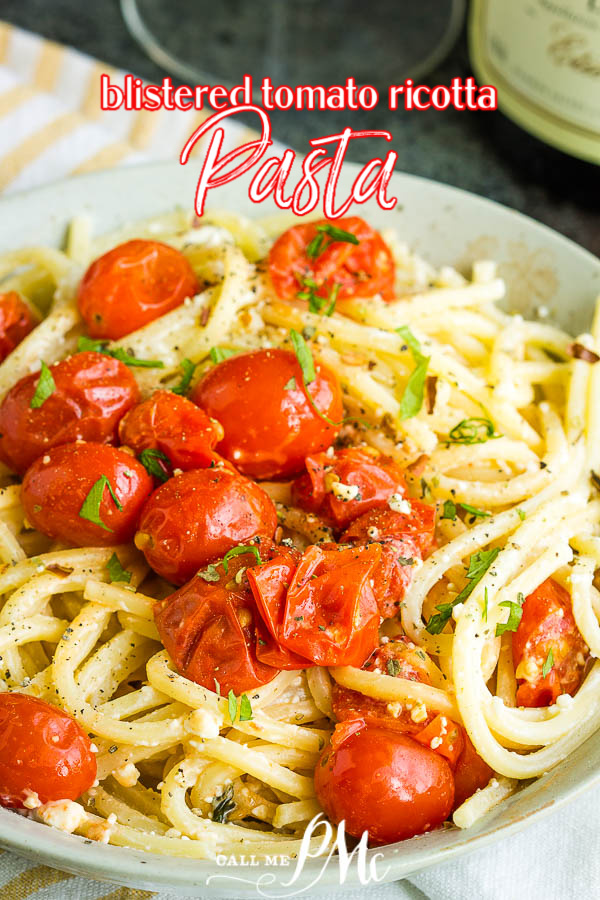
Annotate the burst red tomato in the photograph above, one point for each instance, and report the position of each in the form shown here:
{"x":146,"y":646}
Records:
{"x":132,"y":285}
{"x":383,"y":783}
{"x":91,"y":393}
{"x":405,"y":539}
{"x":209,"y":626}
{"x":547,"y":625}
{"x":43,"y":751}
{"x":362,"y":269}
{"x":444,"y":737}
{"x":366,"y":481}
{"x":173,"y":425}
{"x":399,"y":659}
{"x":58,"y":484}
{"x":330,"y":614}
{"x":470,"y":774}
{"x":270,"y":425}
{"x":198,"y":516}
{"x":17,"y":319}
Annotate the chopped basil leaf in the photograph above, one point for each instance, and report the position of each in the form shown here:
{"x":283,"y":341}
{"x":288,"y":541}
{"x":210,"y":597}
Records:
{"x":479,"y":563}
{"x":315,"y":247}
{"x":304,"y":357}
{"x":232,"y":706}
{"x":316,"y":303}
{"x":44,"y":388}
{"x":412,"y":398}
{"x":187,"y":369}
{"x":90,"y":508}
{"x":449,"y":511}
{"x":218,"y":354}
{"x":411,"y":342}
{"x":210,"y":573}
{"x":245,"y":709}
{"x":485,"y":606}
{"x":150,"y":459}
{"x":393,"y":667}
{"x":478,"y":513}
{"x":290,"y":385}
{"x":87,"y":344}
{"x":116,"y":572}
{"x":522,"y":514}
{"x":514,"y":616}
{"x":476,"y":430}
{"x":405,"y":560}
{"x":240,"y":550}
{"x":223,"y":805}
{"x":548,"y":663}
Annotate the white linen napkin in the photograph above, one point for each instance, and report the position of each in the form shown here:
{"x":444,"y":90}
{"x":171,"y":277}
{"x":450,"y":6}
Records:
{"x":51,"y":126}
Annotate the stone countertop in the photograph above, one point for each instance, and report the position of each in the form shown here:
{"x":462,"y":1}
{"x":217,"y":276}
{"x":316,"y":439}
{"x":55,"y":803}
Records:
{"x":451,"y":146}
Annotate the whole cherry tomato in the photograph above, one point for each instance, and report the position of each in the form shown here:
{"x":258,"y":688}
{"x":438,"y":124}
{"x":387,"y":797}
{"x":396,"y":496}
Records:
{"x":43,"y":751}
{"x":547,"y":634}
{"x":400,"y":659}
{"x":132,"y":285}
{"x":174,"y":426}
{"x":86,"y":494}
{"x":382,"y":782}
{"x":91,"y":392}
{"x":405,"y":539}
{"x":198,"y":516}
{"x":209,"y":626}
{"x":16,"y":321}
{"x":261,"y":402}
{"x":360,"y":269}
{"x":343,"y":486}
{"x":330,"y":613}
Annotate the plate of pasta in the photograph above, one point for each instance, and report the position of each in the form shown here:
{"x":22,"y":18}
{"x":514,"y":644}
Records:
{"x":299,"y":522}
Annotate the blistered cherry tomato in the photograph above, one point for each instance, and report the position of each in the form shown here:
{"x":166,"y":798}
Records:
{"x":68,"y":494}
{"x":198,"y":516}
{"x":547,"y":627}
{"x":405,"y":538}
{"x":270,"y":424}
{"x":17,"y":319}
{"x":330,"y":614}
{"x":399,"y":659}
{"x":92,"y":391}
{"x":173,"y":425}
{"x":43,"y":751}
{"x":209,"y":626}
{"x":383,"y":783}
{"x":444,"y":737}
{"x":362,"y":269}
{"x":132,"y":285}
{"x":470,"y":774}
{"x":341,"y":487}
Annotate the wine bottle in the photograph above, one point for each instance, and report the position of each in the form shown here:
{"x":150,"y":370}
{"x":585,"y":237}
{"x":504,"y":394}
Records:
{"x":543,"y":56}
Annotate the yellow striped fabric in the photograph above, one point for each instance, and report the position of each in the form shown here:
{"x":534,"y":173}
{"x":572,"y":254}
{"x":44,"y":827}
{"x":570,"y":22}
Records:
{"x":51,"y":126}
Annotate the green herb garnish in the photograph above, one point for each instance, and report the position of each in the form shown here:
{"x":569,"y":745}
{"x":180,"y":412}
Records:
{"x":485,"y":606}
{"x":449,"y":511}
{"x":218,"y":354}
{"x":44,"y":388}
{"x":245,"y":708}
{"x":210,"y":573}
{"x":548,"y":663}
{"x":319,"y":244}
{"x":521,"y":514}
{"x":479,"y":563}
{"x":393,"y":667}
{"x":412,"y":398}
{"x":472,"y":510}
{"x":476,"y":430}
{"x":187,"y":373}
{"x":87,"y":344}
{"x":240,"y":550}
{"x":116,"y":572}
{"x":223,"y":805}
{"x":150,"y":460}
{"x":514,"y":616}
{"x":90,"y":508}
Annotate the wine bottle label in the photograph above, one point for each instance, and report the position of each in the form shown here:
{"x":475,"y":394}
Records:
{"x":543,"y":56}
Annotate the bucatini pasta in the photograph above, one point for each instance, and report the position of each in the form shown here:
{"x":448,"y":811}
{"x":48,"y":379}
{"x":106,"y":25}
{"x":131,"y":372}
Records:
{"x":493,"y":421}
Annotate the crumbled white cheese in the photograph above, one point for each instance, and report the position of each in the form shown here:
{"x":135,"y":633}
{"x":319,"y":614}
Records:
{"x":203,"y":723}
{"x":419,"y":713}
{"x":564,"y":701}
{"x":457,"y":611}
{"x":62,"y":814}
{"x":127,"y":775}
{"x":208,"y":236}
{"x":398,"y":504}
{"x":344,"y":491}
{"x":31,"y":801}
{"x":435,"y":743}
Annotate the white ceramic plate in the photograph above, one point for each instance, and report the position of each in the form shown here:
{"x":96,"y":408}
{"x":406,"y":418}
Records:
{"x":542,"y":269}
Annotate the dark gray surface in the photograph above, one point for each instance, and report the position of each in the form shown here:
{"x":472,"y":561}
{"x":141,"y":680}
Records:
{"x":451,"y":146}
